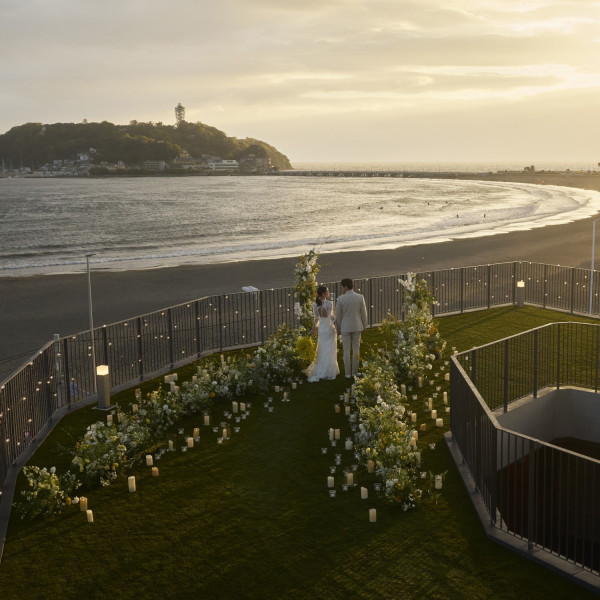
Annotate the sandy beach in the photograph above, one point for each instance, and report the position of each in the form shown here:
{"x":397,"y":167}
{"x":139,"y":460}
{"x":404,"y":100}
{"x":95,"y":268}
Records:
{"x":32,"y":309}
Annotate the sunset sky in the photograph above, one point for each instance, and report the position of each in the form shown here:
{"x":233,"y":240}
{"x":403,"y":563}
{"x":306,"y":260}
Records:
{"x":322,"y":80}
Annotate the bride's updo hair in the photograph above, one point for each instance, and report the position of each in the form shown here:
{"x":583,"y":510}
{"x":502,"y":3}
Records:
{"x":320,"y":290}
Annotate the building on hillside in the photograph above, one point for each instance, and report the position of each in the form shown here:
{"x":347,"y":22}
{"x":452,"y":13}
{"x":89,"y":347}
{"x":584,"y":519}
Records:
{"x":223,"y":165}
{"x":154,"y":165}
{"x":252,"y":163}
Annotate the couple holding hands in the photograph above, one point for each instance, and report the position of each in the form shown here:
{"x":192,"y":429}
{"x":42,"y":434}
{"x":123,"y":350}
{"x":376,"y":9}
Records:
{"x":349,"y":319}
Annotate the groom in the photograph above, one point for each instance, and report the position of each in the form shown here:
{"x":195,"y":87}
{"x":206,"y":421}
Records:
{"x":351,"y":321}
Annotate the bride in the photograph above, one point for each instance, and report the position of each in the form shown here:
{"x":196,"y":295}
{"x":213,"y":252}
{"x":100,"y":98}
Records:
{"x":325,"y":365}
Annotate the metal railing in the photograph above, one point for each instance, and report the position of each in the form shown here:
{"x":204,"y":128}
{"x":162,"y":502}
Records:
{"x":547,"y":496}
{"x":136,"y":349}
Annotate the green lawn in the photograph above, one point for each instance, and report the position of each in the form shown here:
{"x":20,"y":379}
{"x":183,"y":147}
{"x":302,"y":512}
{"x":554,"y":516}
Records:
{"x":252,"y":518}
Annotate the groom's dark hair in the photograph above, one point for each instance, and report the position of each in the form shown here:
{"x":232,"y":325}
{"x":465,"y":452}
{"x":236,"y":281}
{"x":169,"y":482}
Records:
{"x":347,"y":283}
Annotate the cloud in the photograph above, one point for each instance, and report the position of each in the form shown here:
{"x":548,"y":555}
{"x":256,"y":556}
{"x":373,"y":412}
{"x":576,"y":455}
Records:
{"x":253,"y":68}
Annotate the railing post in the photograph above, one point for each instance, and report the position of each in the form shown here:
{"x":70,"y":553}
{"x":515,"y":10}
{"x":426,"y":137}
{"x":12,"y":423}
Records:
{"x":220,"y":322}
{"x":572,"y":290}
{"x":171,"y":341}
{"x":505,"y":376}
{"x":545,"y":288}
{"x":489,"y":286}
{"x":261,"y":316}
{"x":140,"y":348}
{"x":531,"y":459}
{"x":514,"y":284}
{"x":433,"y":293}
{"x":67,"y":375}
{"x":58,"y":376}
{"x":462,"y":278}
{"x":493,"y":486}
{"x":197,"y":315}
{"x":370,"y":302}
{"x":105,"y":342}
{"x":535,"y":362}
{"x":558,"y":356}
{"x":597,"y":358}
{"x":474,"y":366}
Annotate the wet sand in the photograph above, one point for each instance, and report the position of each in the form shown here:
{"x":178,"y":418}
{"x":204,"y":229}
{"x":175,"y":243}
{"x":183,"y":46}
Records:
{"x":33,"y":308}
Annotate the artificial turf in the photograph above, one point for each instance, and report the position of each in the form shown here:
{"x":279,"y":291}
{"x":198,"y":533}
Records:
{"x":252,"y":518}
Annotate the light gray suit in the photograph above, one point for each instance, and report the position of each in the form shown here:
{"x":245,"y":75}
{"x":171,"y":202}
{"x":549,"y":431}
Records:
{"x":351,"y":319}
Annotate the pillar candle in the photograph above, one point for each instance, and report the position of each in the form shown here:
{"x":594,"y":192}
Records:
{"x":445,"y":397}
{"x":434,"y":414}
{"x":225,"y":433}
{"x":173,"y":386}
{"x":419,"y":381}
{"x":134,"y":408}
{"x":222,"y":359}
{"x":190,"y":442}
{"x":234,"y":407}
{"x":285,"y":395}
{"x":331,"y":433}
{"x":196,"y":434}
{"x":131,"y":483}
{"x":167,"y":379}
{"x":330,"y":482}
{"x":413,"y":442}
{"x":347,"y":411}
{"x":372,"y":515}
{"x":413,"y":417}
{"x":350,"y":478}
{"x":364,"y":493}
{"x":171,"y":445}
{"x":138,"y":393}
{"x":294,"y":385}
{"x":149,"y":461}
{"x":109,"y":419}
{"x":439,"y":422}
{"x":346,"y":397}
{"x":83,"y":503}
{"x":276,"y":388}
{"x":422,"y":427}
{"x":194,"y":378}
{"x":370,"y":466}
{"x":243,"y":406}
{"x":207,"y":419}
{"x":415,"y":434}
{"x":447,"y":376}
{"x":90,"y":516}
{"x":349,"y":444}
{"x":438,"y":482}
{"x":337,"y":408}
{"x":154,"y":471}
{"x":403,"y":389}
{"x":336,"y":434}
{"x":429,"y":403}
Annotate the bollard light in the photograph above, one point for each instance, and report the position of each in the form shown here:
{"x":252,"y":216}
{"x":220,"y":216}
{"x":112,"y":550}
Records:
{"x":103,"y":386}
{"x":520,"y":295}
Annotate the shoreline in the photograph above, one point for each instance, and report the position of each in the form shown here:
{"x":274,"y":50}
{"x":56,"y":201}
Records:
{"x":33,"y":308}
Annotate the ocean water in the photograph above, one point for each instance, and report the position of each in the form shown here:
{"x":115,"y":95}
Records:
{"x":47,"y":225}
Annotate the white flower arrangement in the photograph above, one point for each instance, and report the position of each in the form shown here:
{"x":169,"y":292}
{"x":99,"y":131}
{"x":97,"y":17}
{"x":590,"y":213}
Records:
{"x":46,"y":492}
{"x":383,"y":437}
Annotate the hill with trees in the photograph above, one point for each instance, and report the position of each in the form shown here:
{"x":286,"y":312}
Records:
{"x":35,"y":144}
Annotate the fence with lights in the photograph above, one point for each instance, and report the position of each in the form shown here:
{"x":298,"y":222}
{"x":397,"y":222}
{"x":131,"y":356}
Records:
{"x":61,"y":374}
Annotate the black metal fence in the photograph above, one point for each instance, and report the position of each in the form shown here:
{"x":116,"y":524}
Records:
{"x":139,"y":348}
{"x":535,"y":491}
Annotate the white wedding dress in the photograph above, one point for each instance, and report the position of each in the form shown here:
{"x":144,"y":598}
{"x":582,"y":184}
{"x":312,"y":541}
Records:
{"x":325,"y":365}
